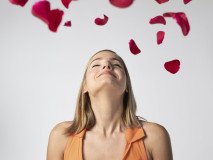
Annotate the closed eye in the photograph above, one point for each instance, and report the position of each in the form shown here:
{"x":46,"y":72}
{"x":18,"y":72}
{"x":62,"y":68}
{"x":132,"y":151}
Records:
{"x":96,"y":65}
{"x":117,"y":65}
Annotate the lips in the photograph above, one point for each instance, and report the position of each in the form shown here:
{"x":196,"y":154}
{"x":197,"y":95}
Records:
{"x":107,"y":72}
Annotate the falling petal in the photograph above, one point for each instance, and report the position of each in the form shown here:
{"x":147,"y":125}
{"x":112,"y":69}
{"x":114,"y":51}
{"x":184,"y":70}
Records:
{"x":19,"y":2}
{"x":158,"y":19}
{"x":133,"y":47}
{"x":172,"y":66}
{"x":66,"y":3}
{"x":121,"y":3}
{"x":160,"y":37}
{"x":52,"y":18}
{"x":55,"y":19}
{"x":41,"y":10}
{"x":186,"y":1}
{"x":67,"y":24}
{"x":161,"y":1}
{"x":181,"y":19}
{"x":100,"y":21}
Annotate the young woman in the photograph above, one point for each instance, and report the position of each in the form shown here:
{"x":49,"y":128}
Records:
{"x":105,"y":126}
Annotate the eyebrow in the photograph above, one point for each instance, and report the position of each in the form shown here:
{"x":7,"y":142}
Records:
{"x":109,"y":59}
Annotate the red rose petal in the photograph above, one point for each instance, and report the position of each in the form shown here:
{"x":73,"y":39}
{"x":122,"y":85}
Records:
{"x":67,"y":23}
{"x":158,"y":19}
{"x":172,"y":66}
{"x":181,"y":19}
{"x":19,"y":2}
{"x":133,"y":47}
{"x":161,"y":1}
{"x":186,"y":1}
{"x":52,"y":18}
{"x":100,"y":21}
{"x":55,"y":19}
{"x":121,"y":3}
{"x":41,"y":10}
{"x":160,"y":37}
{"x":66,"y":3}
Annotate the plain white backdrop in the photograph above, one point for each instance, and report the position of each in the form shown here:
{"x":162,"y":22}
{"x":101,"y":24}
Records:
{"x":41,"y":71}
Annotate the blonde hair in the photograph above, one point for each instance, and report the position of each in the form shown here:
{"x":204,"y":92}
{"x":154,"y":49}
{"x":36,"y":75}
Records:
{"x":84,"y":116}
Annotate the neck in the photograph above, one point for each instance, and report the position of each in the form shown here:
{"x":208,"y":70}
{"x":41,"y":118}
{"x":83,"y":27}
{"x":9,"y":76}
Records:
{"x":108,"y":110}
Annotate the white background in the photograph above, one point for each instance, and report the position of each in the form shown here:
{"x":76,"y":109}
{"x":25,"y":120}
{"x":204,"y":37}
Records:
{"x":41,"y":71}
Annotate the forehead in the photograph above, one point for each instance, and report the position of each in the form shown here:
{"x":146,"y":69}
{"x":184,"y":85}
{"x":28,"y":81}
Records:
{"x":103,"y":55}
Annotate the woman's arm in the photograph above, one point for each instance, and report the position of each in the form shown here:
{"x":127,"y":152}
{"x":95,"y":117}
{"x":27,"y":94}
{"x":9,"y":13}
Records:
{"x":158,"y":142}
{"x":57,"y":142}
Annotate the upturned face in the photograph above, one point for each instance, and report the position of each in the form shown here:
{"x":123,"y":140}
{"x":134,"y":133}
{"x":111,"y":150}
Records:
{"x":105,"y":71}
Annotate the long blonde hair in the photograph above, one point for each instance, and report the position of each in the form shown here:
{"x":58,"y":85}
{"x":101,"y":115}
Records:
{"x":84,"y":116}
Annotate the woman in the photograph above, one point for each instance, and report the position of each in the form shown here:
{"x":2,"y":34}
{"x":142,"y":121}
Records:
{"x":105,"y":126}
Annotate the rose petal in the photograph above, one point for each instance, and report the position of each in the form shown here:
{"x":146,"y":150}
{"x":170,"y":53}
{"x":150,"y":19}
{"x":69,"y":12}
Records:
{"x":19,"y":2}
{"x":67,"y":23}
{"x":181,"y":19}
{"x":161,"y":1}
{"x":41,"y":10}
{"x":172,"y":66}
{"x":121,"y":3}
{"x":55,"y":19}
{"x":158,"y":19}
{"x":160,"y":37}
{"x":133,"y":47}
{"x":52,"y":18}
{"x":66,"y":3}
{"x":100,"y":21}
{"x":186,"y":1}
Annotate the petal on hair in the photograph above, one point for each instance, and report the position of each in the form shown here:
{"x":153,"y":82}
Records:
{"x":133,"y":47}
{"x":161,"y":1}
{"x":52,"y":18}
{"x":100,"y":21}
{"x":160,"y":37}
{"x":121,"y":3}
{"x":181,"y":20}
{"x":67,"y":24}
{"x":66,"y":3}
{"x":19,"y":2}
{"x":186,"y":1}
{"x":158,"y":19}
{"x":172,"y":66}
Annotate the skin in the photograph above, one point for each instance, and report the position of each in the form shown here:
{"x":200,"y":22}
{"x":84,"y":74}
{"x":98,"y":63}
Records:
{"x":106,"y":83}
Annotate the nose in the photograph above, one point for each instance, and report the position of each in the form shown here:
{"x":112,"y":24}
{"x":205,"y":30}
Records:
{"x":107,"y":66}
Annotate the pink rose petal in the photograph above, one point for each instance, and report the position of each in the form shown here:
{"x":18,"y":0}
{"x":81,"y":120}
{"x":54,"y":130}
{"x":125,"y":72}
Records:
{"x":186,"y":1}
{"x":160,"y":37}
{"x":19,"y":2}
{"x":158,"y":19}
{"x":172,"y":66}
{"x":161,"y":1}
{"x":121,"y":3}
{"x":181,"y":19}
{"x":66,"y":3}
{"x":67,"y":24}
{"x":52,"y":18}
{"x":133,"y":47}
{"x":100,"y":21}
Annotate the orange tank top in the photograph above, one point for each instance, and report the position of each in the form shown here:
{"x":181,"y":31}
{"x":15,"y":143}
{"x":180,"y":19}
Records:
{"x":134,"y":149}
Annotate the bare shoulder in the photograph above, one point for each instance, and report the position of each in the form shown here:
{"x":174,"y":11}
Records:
{"x":157,"y":141}
{"x":57,"y":141}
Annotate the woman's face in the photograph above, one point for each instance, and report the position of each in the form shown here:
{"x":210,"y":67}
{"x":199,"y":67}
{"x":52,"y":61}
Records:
{"x":105,"y":71}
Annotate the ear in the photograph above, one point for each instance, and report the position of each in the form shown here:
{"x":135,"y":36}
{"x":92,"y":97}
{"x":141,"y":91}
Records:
{"x":84,"y":90}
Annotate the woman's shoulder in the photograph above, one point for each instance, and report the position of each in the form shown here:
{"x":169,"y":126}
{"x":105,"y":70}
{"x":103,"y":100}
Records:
{"x":157,"y":138}
{"x":57,"y":140}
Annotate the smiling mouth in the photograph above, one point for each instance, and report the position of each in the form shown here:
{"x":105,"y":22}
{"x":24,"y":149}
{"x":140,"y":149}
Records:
{"x":107,"y":73}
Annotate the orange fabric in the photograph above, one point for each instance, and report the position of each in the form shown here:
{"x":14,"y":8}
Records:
{"x":134,"y":149}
